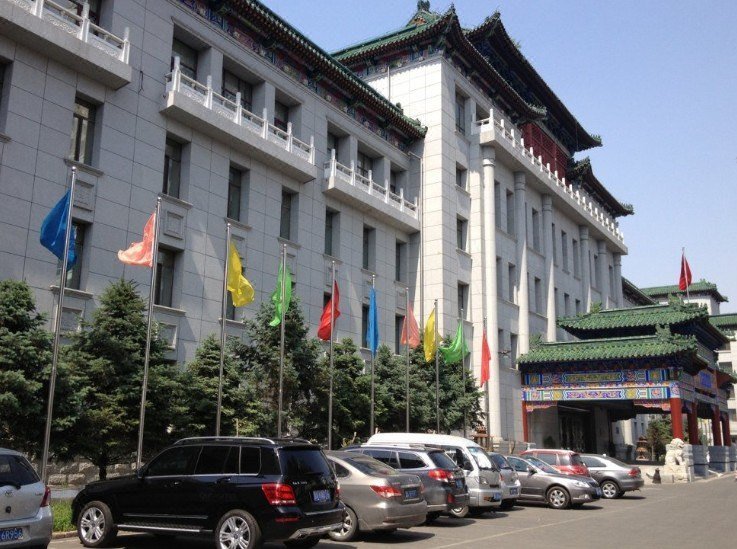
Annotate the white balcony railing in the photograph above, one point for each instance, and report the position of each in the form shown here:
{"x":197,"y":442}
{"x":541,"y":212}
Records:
{"x":234,"y":111}
{"x":336,"y":170}
{"x":79,"y":25}
{"x":589,"y":206}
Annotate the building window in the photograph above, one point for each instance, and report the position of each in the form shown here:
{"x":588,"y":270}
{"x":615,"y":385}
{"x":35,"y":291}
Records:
{"x":510,"y":212}
{"x":165,"y":278}
{"x":187,"y":58}
{"x":555,"y":245}
{"x":172,"y":168}
{"x":567,"y":304}
{"x":564,"y":249}
{"x":512,"y":281}
{"x":596,"y":273}
{"x":369,"y":244}
{"x":462,"y":233}
{"x":364,"y":164}
{"x":612,"y":285}
{"x":3,"y":70}
{"x":499,"y":278}
{"x":331,"y":228}
{"x":393,"y":178}
{"x":233,"y":85}
{"x":535,"y":230}
{"x":288,"y":214}
{"x":398,"y":323}
{"x":460,"y":114}
{"x":498,"y":204}
{"x":513,"y":349}
{"x":281,"y":115}
{"x":83,"y":129}
{"x":364,"y":325}
{"x":555,"y":303}
{"x":576,"y":260}
{"x":578,"y":307}
{"x":461,"y":177}
{"x":462,"y":300}
{"x":537,"y":288}
{"x":237,"y":194}
{"x":333,"y":144}
{"x":400,"y":251}
{"x":74,"y":275}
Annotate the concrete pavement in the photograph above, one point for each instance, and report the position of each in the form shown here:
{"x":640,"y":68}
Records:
{"x":700,"y":514}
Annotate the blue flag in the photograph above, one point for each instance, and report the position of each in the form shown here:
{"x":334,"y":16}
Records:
{"x":372,"y":332}
{"x":53,"y":231}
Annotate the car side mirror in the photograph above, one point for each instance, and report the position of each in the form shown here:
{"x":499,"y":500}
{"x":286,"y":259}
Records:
{"x":467,"y":465}
{"x":140,"y":473}
{"x":531,"y":471}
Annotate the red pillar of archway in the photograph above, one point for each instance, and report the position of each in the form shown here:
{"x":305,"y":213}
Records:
{"x":693,"y":426}
{"x":525,"y":426}
{"x":726,"y":436}
{"x":676,"y":417}
{"x":715,"y":426}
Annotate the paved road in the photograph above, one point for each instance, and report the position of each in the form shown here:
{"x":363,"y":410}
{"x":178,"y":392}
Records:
{"x":703,"y":514}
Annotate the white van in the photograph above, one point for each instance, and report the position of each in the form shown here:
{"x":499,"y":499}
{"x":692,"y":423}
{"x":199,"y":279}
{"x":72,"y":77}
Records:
{"x":482,"y":476}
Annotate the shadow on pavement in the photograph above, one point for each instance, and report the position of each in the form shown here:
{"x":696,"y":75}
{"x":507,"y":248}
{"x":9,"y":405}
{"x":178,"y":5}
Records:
{"x":447,"y":522}
{"x":632,"y":497}
{"x":147,"y":541}
{"x":491,"y":516}
{"x":401,"y":536}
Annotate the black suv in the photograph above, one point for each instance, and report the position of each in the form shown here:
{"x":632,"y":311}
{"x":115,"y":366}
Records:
{"x":241,"y":491}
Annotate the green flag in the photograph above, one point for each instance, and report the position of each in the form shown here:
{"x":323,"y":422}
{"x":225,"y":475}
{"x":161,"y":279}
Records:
{"x":276,"y":297}
{"x":457,"y":349}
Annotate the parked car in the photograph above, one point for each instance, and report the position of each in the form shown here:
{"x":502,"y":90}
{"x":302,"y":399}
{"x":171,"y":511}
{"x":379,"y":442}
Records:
{"x":614,"y":477}
{"x":510,"y":481}
{"x":444,"y":482}
{"x":482,"y":475}
{"x":542,"y":483}
{"x":566,"y":462}
{"x":240,"y":491}
{"x":376,"y":496}
{"x":26,"y":520}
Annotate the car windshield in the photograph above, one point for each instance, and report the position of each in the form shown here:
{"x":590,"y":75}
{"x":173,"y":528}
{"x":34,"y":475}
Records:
{"x":440,"y":459}
{"x":16,"y":471}
{"x":370,"y":466}
{"x":482,"y":458}
{"x":540,"y":464}
{"x":500,"y":461}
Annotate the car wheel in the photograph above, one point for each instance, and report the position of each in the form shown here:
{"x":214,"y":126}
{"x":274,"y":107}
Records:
{"x":95,"y":526}
{"x":508,"y":504}
{"x":349,"y":529}
{"x":459,"y":512}
{"x":237,"y":530}
{"x":610,"y":489}
{"x":558,"y":498}
{"x":303,"y":543}
{"x":432,"y":517}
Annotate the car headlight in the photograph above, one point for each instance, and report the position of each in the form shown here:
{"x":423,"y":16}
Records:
{"x":482,"y":480}
{"x":515,"y":477}
{"x":579,"y":484}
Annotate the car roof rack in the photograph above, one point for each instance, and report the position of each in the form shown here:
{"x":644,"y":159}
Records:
{"x":242,"y":439}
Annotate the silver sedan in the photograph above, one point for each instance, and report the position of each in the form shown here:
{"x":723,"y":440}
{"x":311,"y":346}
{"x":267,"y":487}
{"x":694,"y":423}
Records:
{"x":376,"y":496}
{"x":614,"y":476}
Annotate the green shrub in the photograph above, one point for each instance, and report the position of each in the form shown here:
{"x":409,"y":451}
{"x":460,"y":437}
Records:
{"x":62,"y":510}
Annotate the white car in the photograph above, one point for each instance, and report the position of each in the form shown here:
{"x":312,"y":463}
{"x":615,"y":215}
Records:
{"x":25,"y":513}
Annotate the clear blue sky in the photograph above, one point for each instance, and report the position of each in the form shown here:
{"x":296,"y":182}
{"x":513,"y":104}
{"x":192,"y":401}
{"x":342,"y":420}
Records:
{"x":656,"y":79}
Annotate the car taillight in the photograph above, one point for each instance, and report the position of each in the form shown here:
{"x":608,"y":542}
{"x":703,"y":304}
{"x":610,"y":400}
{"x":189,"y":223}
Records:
{"x":47,"y":498}
{"x":279,"y":494}
{"x":634,"y":472}
{"x":440,"y":474}
{"x":337,"y":490}
{"x":387,"y":491}
{"x":422,"y":488}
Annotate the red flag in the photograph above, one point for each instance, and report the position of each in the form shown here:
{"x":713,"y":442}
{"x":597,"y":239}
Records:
{"x":685,"y":280}
{"x":414,"y":330}
{"x":141,"y":253}
{"x":485,"y":359}
{"x":324,"y":332}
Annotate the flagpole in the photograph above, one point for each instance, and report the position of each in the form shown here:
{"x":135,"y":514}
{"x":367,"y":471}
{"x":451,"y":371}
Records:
{"x":406,"y":381}
{"x":332,"y":362}
{"x":57,"y":329}
{"x":463,"y":372}
{"x":223,"y":312}
{"x":147,"y":356}
{"x":437,"y":370}
{"x":488,"y":400}
{"x":371,"y":429}
{"x":281,"y":342}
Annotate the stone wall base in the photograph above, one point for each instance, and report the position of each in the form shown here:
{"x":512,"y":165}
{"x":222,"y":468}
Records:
{"x":77,"y":473}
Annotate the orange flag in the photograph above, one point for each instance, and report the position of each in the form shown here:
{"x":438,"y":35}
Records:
{"x":485,"y":359}
{"x":324,"y":332}
{"x":141,"y":253}
{"x":414,"y":330}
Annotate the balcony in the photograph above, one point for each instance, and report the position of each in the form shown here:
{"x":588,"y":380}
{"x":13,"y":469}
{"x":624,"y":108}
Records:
{"x":346,"y":185}
{"x":496,"y":130}
{"x":197,"y":105}
{"x":71,"y":39}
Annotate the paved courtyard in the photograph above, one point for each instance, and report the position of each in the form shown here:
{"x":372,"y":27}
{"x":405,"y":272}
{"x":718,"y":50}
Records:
{"x":702,"y":514}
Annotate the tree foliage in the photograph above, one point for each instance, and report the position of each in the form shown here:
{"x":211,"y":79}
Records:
{"x":659,"y":433}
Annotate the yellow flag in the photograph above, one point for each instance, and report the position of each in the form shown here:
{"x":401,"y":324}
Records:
{"x":430,"y":341}
{"x":240,"y":289}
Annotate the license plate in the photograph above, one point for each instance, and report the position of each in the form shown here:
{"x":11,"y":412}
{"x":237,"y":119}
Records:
{"x":496,"y":497}
{"x":459,"y":483}
{"x":321,"y":496}
{"x":513,"y":491}
{"x":410,"y":493}
{"x":11,"y":534}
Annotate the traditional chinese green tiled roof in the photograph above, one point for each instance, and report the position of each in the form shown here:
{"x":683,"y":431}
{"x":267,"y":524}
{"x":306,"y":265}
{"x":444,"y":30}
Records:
{"x":648,"y":316}
{"x":634,"y":294}
{"x":582,"y":172}
{"x":259,"y":16}
{"x":622,"y":348}
{"x":726,"y":321}
{"x":702,"y":287}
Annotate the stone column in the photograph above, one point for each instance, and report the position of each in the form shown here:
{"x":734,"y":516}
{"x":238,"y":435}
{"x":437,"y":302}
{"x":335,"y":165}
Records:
{"x":264,"y":97}
{"x":618,"y":293}
{"x":603,"y":275}
{"x":693,"y":426}
{"x":490,"y":299}
{"x":523,"y":291}
{"x":210,"y":63}
{"x":549,"y":265}
{"x":525,"y":425}
{"x":716,"y":430}
{"x":585,"y":267}
{"x":676,"y":416}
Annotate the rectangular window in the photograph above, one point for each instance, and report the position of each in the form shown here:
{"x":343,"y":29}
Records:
{"x":510,"y":212}
{"x":3,"y":69}
{"x":187,"y":58}
{"x":576,"y":259}
{"x":564,"y":249}
{"x":499,"y":279}
{"x":398,"y":323}
{"x":369,"y":243}
{"x":393,"y":179}
{"x":555,"y":245}
{"x":74,"y":275}
{"x":235,"y":193}
{"x":512,"y":281}
{"x":462,"y":300}
{"x":233,"y":85}
{"x":612,"y":285}
{"x":513,"y":350}
{"x":400,"y":251}
{"x":596,"y":273}
{"x":460,"y":114}
{"x":462,"y":234}
{"x":498,"y":204}
{"x":566,"y":304}
{"x":364,"y":325}
{"x":461,"y":177}
{"x":288,"y":209}
{"x":537,"y":288}
{"x":281,"y":115}
{"x":333,"y":143}
{"x":500,"y":342}
{"x":578,"y":307}
{"x":331,"y":226}
{"x":165,"y":278}
{"x":172,"y":168}
{"x":536,"y":230}
{"x":364,"y":164}
{"x":78,"y":6}
{"x":83,"y":130}
{"x":555,"y":301}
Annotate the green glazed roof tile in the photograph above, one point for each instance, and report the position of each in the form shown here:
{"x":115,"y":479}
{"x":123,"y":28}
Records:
{"x":634,"y":317}
{"x":702,"y":286}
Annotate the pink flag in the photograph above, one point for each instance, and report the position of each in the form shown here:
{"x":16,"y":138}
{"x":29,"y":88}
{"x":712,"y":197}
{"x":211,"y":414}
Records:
{"x":141,"y":253}
{"x":414,"y":330}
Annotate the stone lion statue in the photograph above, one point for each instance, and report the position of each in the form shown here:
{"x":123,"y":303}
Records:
{"x":674,"y":462}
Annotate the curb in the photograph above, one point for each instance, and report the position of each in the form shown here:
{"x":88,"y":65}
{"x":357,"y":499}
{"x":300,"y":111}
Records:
{"x":63,"y":535}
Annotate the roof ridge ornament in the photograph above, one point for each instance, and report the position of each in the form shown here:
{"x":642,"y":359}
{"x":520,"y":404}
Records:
{"x":423,"y":5}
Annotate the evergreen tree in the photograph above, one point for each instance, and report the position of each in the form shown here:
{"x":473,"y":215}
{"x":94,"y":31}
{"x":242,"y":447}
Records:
{"x":106,"y":362}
